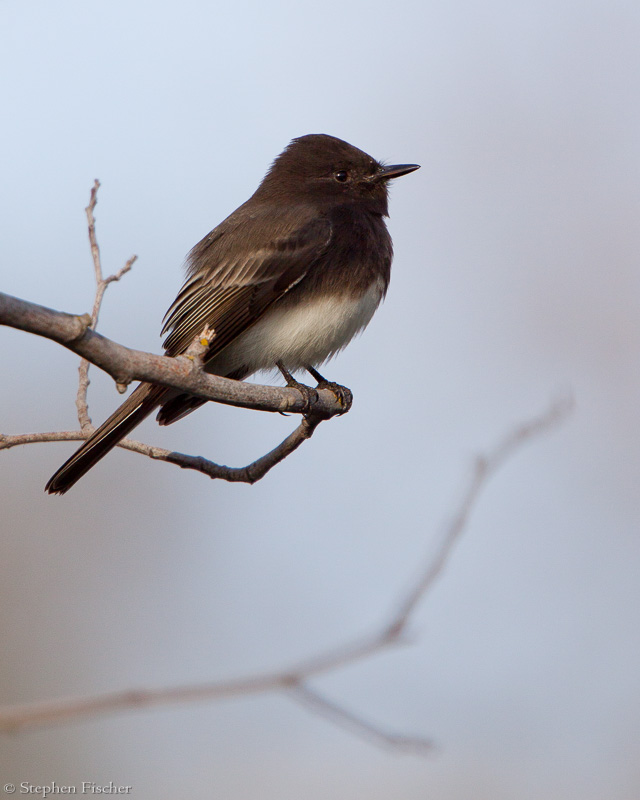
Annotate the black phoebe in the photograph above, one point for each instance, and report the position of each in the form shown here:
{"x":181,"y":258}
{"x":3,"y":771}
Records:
{"x":287,"y":280}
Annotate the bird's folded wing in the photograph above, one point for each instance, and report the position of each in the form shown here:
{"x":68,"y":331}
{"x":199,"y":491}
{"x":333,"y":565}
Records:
{"x":241,"y":268}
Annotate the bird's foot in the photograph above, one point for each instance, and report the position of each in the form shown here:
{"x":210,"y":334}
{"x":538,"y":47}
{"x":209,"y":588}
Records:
{"x":309,"y":394}
{"x":342,"y":394}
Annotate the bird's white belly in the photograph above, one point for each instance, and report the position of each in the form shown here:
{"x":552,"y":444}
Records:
{"x":301,"y":335}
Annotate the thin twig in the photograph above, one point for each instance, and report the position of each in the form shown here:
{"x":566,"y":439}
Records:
{"x":257,"y":469}
{"x":484,"y":468}
{"x":7,"y":441}
{"x":101,"y":286}
{"x":93,"y":241}
{"x":249,"y":474}
{"x":338,"y":715}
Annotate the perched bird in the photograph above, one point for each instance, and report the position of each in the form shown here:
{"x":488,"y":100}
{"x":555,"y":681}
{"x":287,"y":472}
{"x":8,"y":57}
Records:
{"x":285,"y":281}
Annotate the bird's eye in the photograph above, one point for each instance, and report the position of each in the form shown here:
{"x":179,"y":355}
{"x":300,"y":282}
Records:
{"x":341,"y":176}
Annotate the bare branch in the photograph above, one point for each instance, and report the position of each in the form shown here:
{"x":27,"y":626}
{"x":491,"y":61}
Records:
{"x":101,"y":287}
{"x":7,"y":441}
{"x":257,"y":469}
{"x":338,"y":715}
{"x":484,"y":469}
{"x":126,"y":365}
{"x":93,"y":241}
{"x":250,"y":474}
{"x":295,"y":679}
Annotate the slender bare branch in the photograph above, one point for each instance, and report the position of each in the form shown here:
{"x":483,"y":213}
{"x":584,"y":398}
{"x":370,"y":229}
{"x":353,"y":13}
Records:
{"x":338,"y":715}
{"x":295,"y":679}
{"x":257,"y":469}
{"x":101,"y":287}
{"x":93,"y":240}
{"x":249,"y":474}
{"x":484,"y":468}
{"x":7,"y":441}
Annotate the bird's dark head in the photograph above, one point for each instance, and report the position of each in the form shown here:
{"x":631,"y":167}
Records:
{"x":323,"y":168}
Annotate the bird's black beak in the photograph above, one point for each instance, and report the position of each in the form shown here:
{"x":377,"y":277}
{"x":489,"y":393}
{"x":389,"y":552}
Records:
{"x":394,"y":171}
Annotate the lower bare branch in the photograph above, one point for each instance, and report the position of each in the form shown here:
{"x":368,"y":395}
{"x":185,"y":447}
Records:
{"x":355,"y":723}
{"x":295,"y":679}
{"x":7,"y":440}
{"x":484,"y":468}
{"x":250,"y":474}
{"x":14,"y":718}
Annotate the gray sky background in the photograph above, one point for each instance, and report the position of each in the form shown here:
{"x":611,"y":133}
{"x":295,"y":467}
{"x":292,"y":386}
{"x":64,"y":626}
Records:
{"x":516,"y":280}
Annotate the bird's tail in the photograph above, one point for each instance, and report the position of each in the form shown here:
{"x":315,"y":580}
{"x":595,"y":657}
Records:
{"x":135,"y":408}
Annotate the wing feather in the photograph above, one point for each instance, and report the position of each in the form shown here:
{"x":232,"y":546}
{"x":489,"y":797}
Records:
{"x":231,"y":281}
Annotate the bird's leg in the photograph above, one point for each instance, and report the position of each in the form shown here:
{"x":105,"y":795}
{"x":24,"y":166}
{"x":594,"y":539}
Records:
{"x":343,"y":395}
{"x":309,"y":394}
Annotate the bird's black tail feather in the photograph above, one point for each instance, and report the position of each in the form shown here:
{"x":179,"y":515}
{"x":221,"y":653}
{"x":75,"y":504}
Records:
{"x":135,"y":408}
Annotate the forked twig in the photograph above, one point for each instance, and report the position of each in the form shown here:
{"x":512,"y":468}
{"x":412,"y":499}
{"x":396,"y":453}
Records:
{"x":101,"y":287}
